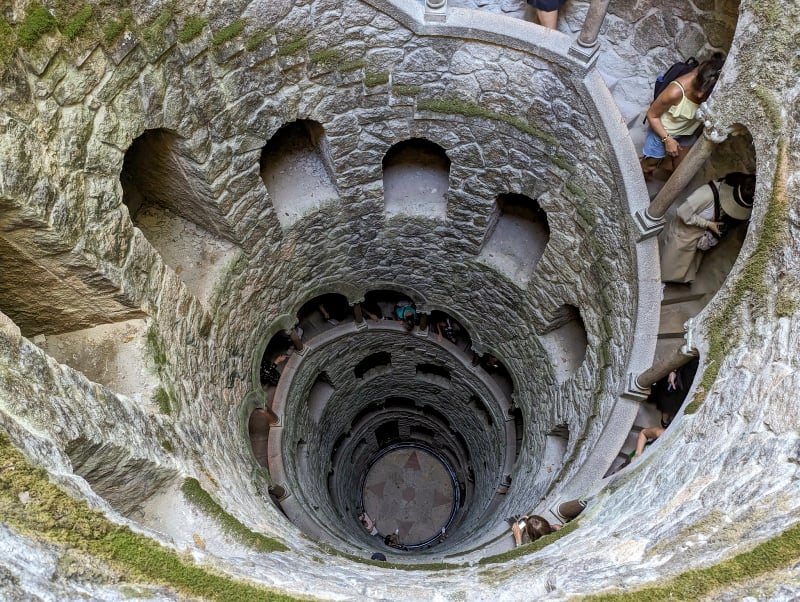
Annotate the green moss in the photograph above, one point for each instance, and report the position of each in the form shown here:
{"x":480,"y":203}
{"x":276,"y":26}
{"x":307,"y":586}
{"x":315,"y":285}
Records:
{"x":75,"y":25}
{"x":38,"y":21}
{"x":405,"y":90}
{"x":292,"y":47}
{"x":161,"y":399}
{"x":53,"y":516}
{"x":562,"y":163}
{"x":114,"y":28}
{"x":771,"y":107}
{"x":376,"y":79}
{"x":155,"y":349}
{"x":167,"y":446}
{"x":153,"y":34}
{"x":257,"y":39}
{"x":785,"y":306}
{"x":772,"y":555}
{"x":575,"y":189}
{"x":348,"y":66}
{"x":433,"y":566}
{"x":468,"y":109}
{"x":325,"y":56}
{"x":192,"y":28}
{"x":7,"y":42}
{"x":228,"y":33}
{"x":532,"y":547}
{"x":199,"y":497}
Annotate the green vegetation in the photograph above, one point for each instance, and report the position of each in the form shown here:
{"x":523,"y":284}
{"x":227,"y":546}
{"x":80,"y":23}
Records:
{"x":153,"y":34}
{"x":401,"y":90}
{"x":468,"y":109}
{"x":38,"y":21}
{"x":751,"y":281}
{"x":167,"y":446}
{"x":228,"y":33}
{"x":292,"y":47}
{"x":348,"y":66}
{"x":785,"y":306}
{"x":376,"y":79}
{"x":575,"y":189}
{"x":114,"y":28}
{"x":53,"y":516}
{"x":433,"y":566}
{"x":192,"y":29}
{"x":772,"y":555}
{"x":75,"y":25}
{"x":7,"y":42}
{"x":199,"y":497}
{"x":562,"y":163}
{"x":161,"y":399}
{"x":257,"y":39}
{"x":532,"y":547}
{"x":325,"y":56}
{"x":154,"y":347}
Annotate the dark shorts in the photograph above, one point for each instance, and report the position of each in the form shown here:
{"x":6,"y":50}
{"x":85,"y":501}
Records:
{"x":547,"y":5}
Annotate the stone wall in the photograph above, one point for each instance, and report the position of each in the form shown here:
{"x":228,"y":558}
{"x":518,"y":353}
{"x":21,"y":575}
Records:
{"x":517,"y":117}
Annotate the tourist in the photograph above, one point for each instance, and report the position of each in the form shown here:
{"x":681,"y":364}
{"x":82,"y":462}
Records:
{"x":448,"y":329}
{"x":672,"y":124}
{"x":700,"y":222}
{"x":368,"y":523}
{"x":547,"y":12}
{"x":406,"y":313}
{"x":670,"y":392}
{"x":533,"y":526}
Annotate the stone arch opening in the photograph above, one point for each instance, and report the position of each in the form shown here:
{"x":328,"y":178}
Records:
{"x":322,"y":313}
{"x":516,"y":237}
{"x":373,"y":365}
{"x":416,"y":178}
{"x":297,"y":171}
{"x":169,"y":200}
{"x":565,"y":342}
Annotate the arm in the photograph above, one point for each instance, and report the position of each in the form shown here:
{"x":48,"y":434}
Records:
{"x":697,"y":202}
{"x":670,"y":97}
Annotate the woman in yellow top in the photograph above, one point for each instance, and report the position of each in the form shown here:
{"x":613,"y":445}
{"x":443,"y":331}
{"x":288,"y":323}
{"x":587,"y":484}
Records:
{"x":672,"y":126}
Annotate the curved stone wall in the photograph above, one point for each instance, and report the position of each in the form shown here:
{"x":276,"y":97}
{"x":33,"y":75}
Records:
{"x":515,"y":114}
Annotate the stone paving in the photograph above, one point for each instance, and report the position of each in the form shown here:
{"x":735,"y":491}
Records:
{"x":411,"y":490}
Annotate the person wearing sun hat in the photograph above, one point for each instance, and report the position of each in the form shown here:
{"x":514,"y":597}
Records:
{"x":701,"y":221}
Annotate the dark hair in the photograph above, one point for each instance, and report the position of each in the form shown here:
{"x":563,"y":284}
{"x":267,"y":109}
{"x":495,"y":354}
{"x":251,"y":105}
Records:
{"x":708,"y":73}
{"x":746,"y":182}
{"x":536,"y":526}
{"x":409,"y":321}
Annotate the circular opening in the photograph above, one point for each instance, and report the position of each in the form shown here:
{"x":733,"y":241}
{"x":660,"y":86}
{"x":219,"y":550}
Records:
{"x":411,"y":491}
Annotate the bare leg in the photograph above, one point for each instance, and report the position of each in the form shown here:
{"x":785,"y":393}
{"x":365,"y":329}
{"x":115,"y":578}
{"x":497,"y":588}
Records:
{"x":547,"y":18}
{"x":649,"y":166}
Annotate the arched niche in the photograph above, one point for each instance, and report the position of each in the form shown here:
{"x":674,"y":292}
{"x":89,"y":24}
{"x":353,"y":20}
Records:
{"x":416,"y":177}
{"x":565,"y":342}
{"x":169,"y":200}
{"x":297,"y":171}
{"x":323,"y":312}
{"x":516,"y":236}
{"x":373,"y":365}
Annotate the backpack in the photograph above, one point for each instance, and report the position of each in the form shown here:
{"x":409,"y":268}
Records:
{"x":671,"y":74}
